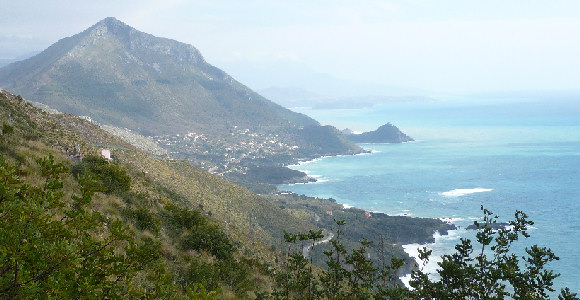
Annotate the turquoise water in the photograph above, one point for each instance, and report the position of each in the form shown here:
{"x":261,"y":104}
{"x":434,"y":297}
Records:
{"x":507,"y":156}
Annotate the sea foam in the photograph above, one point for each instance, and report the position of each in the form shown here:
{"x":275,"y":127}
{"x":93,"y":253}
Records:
{"x":439,"y":248}
{"x":463,"y":192}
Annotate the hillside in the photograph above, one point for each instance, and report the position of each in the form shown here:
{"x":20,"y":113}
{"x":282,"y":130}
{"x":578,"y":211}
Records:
{"x":120,"y":76}
{"x":188,"y":226}
{"x":189,"y":185}
{"x":145,"y":194}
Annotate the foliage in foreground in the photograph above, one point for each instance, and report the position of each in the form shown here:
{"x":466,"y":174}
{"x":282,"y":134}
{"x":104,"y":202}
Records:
{"x":51,"y":245}
{"x":492,"y":271}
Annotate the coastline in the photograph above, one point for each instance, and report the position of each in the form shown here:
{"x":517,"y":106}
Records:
{"x":437,"y":242}
{"x":315,"y":177}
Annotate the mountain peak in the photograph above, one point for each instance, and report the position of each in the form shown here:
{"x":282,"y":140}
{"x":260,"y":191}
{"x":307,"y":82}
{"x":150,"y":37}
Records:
{"x":111,"y":22}
{"x":110,"y":25}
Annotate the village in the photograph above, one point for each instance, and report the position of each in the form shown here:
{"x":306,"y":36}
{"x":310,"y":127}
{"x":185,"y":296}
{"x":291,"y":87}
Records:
{"x":232,"y":153}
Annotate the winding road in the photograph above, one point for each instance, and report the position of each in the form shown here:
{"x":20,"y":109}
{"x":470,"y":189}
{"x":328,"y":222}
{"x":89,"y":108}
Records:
{"x":328,"y":236}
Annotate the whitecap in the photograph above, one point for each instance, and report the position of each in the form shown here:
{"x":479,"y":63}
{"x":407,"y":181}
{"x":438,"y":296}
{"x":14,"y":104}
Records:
{"x":451,"y":220}
{"x":404,"y":214}
{"x":443,"y":245}
{"x":463,"y":192}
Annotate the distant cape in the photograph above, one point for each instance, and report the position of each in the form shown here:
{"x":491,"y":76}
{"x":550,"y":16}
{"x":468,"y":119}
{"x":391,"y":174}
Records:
{"x":387,"y":133}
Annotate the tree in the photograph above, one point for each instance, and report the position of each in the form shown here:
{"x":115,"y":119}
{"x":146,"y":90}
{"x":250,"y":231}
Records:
{"x":349,"y":275}
{"x":492,"y":272}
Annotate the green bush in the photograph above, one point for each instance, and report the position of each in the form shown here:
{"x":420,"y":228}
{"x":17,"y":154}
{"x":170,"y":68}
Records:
{"x":211,"y":239}
{"x":71,"y":257}
{"x":110,"y":175}
{"x":179,"y":219}
{"x":231,"y":273}
{"x":7,"y":129}
{"x":199,"y":272}
{"x":143,"y":219}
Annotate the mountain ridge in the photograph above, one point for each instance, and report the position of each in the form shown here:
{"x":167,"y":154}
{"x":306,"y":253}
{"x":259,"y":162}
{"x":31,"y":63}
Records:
{"x":113,"y":64}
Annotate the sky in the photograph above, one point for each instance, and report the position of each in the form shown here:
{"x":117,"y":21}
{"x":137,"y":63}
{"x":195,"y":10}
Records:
{"x":441,"y":46}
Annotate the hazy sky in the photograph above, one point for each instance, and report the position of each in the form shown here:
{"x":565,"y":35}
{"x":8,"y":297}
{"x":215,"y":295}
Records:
{"x":445,"y":45}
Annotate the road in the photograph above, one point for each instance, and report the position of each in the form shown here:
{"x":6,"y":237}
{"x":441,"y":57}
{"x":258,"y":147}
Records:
{"x":328,"y":236}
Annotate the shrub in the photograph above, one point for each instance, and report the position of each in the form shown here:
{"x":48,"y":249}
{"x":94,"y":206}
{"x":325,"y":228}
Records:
{"x":143,"y":219}
{"x":110,"y":175}
{"x":211,"y":239}
{"x":179,"y":219}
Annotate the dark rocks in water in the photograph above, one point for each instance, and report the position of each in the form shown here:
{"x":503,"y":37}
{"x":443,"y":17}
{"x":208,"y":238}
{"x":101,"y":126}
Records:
{"x":494,"y":226}
{"x":387,"y":133}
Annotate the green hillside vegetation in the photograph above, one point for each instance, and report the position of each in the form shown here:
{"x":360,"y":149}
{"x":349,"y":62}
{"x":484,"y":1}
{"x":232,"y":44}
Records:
{"x":199,"y":225}
{"x":140,"y":227}
{"x":145,"y":239}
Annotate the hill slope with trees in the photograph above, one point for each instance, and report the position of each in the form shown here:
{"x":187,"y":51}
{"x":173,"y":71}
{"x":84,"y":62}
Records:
{"x":152,"y":227}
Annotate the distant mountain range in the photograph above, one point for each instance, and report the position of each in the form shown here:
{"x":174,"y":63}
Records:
{"x":7,"y":61}
{"x":120,"y":76}
{"x":293,"y":74}
{"x":297,"y":97}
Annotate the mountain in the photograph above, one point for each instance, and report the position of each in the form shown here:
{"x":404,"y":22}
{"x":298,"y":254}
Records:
{"x":120,"y":76}
{"x":387,"y":133}
{"x":5,"y":61}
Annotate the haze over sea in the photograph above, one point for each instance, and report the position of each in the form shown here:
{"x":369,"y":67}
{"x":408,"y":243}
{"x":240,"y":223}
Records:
{"x":508,"y":154}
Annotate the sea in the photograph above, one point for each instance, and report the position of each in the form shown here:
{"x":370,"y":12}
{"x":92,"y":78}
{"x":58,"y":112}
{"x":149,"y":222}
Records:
{"x":505,"y":153}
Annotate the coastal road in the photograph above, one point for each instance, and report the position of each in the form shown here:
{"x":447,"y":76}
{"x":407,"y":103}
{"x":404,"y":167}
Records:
{"x":328,"y":236}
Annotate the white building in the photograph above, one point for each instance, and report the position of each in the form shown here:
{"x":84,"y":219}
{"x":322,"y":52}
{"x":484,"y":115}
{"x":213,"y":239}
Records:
{"x":106,"y":153}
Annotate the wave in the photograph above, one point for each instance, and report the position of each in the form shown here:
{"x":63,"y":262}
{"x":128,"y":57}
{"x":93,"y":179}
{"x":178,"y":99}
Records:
{"x":404,"y":214}
{"x":443,"y":245}
{"x":463,"y":192}
{"x":451,"y":220}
